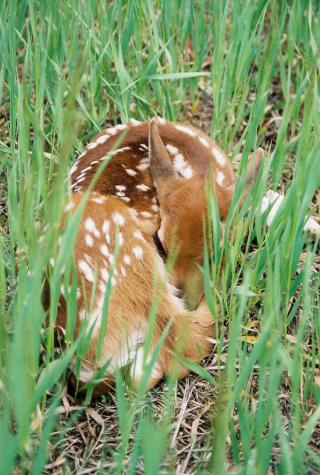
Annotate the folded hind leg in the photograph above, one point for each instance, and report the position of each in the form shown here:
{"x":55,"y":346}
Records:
{"x":188,"y":337}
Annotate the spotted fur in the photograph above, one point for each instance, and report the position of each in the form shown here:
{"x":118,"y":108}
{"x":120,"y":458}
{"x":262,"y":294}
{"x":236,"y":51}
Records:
{"x":112,"y":249}
{"x":167,"y":166}
{"x":191,"y":152}
{"x":195,"y":159}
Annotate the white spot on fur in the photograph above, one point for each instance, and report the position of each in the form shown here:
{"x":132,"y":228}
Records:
{"x":104,"y":250}
{"x":114,"y":152}
{"x":155,"y":208}
{"x":220,"y":178}
{"x":126,"y":259}
{"x":138,"y":235}
{"x":130,"y":171}
{"x":88,"y":258}
{"x":105,"y":275}
{"x":90,"y":226}
{"x":119,"y":150}
{"x":146,"y":214}
{"x":69,"y":207}
{"x":121,"y":194}
{"x":121,"y":126}
{"x":181,"y":166}
{"x":142,"y":166}
{"x":143,"y":187}
{"x":133,"y":213}
{"x":82,"y":314}
{"x":138,"y":252}
{"x":99,"y":200}
{"x":86,"y":270}
{"x":186,"y":130}
{"x":112,"y":130}
{"x":86,"y":169}
{"x":88,"y":239}
{"x":125,"y":198}
{"x":118,"y":219}
{"x":134,"y":122}
{"x":204,"y":141}
{"x":220,"y":158}
{"x":80,"y":180}
{"x":105,"y":230}
{"x":120,"y":187}
{"x":102,"y":286}
{"x":120,"y":239}
{"x":102,"y":139}
{"x":74,"y":168}
{"x":171,"y":149}
{"x":81,"y":175}
{"x":91,"y":145}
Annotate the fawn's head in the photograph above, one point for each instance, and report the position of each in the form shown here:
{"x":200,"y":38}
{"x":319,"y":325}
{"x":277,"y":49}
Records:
{"x":184,"y":215}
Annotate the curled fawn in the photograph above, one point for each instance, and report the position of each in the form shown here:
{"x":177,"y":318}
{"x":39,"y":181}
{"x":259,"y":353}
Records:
{"x":113,"y":251}
{"x":165,"y":164}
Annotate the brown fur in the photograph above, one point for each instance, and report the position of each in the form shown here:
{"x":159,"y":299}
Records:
{"x":184,"y":212}
{"x":195,"y":153}
{"x":183,"y":200}
{"x":183,"y":209}
{"x":131,"y":297}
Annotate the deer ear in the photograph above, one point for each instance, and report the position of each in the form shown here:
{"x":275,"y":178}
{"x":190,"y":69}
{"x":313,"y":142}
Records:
{"x":252,"y":171}
{"x":161,"y":167}
{"x":254,"y":166}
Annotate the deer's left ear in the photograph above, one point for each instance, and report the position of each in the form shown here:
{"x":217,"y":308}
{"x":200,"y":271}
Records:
{"x":252,"y":173}
{"x":253,"y":169}
{"x":161,"y":168}
{"x":254,"y":166}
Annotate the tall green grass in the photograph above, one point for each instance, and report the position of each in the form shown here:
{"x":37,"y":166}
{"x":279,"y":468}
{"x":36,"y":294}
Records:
{"x":66,"y":69}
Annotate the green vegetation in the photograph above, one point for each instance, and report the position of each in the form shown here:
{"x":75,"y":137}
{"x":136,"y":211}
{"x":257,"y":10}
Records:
{"x":66,"y":69}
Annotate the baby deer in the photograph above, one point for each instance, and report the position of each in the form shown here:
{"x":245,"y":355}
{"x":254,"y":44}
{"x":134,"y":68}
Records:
{"x":168,"y":165}
{"x":113,"y":251}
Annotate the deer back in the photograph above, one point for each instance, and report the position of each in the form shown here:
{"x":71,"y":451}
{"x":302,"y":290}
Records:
{"x":127,"y":175}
